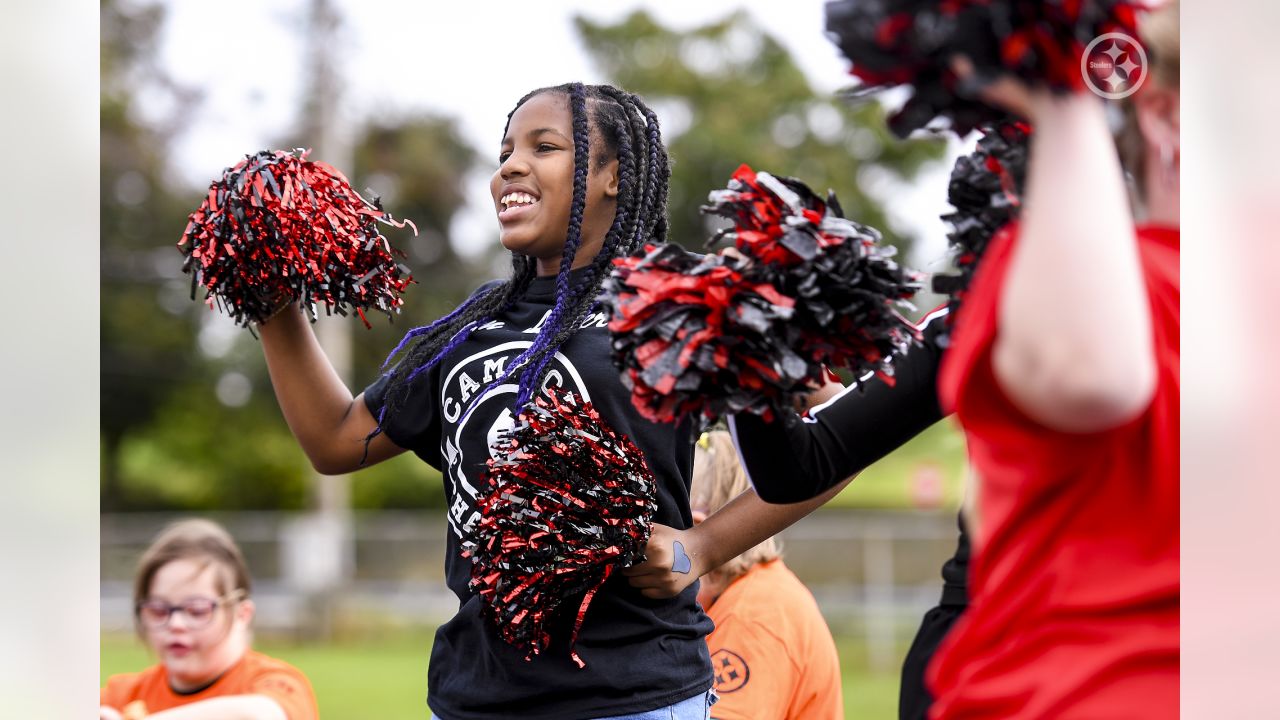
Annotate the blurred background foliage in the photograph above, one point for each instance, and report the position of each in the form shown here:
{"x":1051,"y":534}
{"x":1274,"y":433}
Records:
{"x":188,"y":420}
{"x":729,"y":93}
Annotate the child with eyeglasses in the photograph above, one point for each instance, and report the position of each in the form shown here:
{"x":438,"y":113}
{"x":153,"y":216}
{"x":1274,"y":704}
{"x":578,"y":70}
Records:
{"x":192,"y":607}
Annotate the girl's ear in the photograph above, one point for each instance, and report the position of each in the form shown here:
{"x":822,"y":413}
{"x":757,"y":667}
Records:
{"x":610,"y":173}
{"x":245,"y":612}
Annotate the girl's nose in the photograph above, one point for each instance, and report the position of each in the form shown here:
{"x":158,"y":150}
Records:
{"x":178,"y":621}
{"x":513,"y":166}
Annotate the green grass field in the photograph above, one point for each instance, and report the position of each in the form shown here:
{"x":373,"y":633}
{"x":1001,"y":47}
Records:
{"x":386,"y":679}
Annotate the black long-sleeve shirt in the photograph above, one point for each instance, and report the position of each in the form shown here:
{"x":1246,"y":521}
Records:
{"x":797,"y":457}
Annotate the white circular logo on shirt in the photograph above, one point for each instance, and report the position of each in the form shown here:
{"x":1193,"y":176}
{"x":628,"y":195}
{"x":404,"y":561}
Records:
{"x":475,"y":412}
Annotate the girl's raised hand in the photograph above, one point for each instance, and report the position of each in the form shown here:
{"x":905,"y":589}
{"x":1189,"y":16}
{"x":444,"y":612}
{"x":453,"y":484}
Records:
{"x":1005,"y":92}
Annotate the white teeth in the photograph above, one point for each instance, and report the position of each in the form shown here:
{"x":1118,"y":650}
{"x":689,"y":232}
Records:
{"x":517,"y":198}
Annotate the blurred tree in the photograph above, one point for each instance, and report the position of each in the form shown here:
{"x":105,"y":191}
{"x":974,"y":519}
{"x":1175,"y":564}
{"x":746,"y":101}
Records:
{"x":727,"y":94}
{"x":188,"y":421}
{"x":143,"y":352}
{"x":417,"y":165}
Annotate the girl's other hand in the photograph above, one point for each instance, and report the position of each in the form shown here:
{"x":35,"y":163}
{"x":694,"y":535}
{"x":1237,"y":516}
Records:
{"x":1005,"y":92}
{"x":108,"y":713}
{"x":672,"y":563}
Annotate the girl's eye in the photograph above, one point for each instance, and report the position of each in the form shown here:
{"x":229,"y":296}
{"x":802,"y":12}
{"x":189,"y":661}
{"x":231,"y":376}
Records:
{"x":199,"y":611}
{"x":502,"y":156}
{"x":546,"y":147}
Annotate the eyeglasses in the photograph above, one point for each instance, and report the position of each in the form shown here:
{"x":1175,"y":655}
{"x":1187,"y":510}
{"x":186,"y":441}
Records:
{"x":198,"y":611}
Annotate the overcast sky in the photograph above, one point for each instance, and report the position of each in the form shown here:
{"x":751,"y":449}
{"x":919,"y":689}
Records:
{"x":472,"y":60}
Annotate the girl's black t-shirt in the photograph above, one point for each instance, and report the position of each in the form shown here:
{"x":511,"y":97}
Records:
{"x":640,"y":654}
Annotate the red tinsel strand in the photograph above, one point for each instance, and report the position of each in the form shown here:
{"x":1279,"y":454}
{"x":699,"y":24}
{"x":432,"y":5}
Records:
{"x":277,"y":228}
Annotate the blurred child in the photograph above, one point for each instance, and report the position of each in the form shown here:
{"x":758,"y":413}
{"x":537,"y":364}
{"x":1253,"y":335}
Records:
{"x":771,"y":651}
{"x":192,"y":607}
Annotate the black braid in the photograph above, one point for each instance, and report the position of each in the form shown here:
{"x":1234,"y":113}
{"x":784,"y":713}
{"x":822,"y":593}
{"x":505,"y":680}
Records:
{"x":638,"y":218}
{"x":530,"y":377}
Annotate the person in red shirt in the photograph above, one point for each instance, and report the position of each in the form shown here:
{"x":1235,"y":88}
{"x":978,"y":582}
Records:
{"x":771,"y":650}
{"x":1063,"y":372}
{"x":193,"y":608}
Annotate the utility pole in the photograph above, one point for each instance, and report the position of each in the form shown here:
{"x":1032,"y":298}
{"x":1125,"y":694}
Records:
{"x":318,"y":549}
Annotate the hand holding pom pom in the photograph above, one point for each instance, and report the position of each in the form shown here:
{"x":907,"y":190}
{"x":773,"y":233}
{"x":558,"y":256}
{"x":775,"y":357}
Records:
{"x":278,"y":228}
{"x":954,"y":53}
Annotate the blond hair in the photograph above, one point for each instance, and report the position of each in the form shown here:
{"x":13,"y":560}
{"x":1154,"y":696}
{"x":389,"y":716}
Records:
{"x":718,"y":477}
{"x":1160,"y":38}
{"x":193,"y":539}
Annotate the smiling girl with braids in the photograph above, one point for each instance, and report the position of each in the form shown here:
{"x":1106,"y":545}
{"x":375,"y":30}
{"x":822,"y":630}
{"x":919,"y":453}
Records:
{"x":582,"y":180}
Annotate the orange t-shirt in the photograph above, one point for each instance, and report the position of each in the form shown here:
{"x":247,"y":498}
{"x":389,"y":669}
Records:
{"x":254,"y":674}
{"x":771,"y":651}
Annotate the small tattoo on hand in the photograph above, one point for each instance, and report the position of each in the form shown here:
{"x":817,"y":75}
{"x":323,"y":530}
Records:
{"x":681,"y":563}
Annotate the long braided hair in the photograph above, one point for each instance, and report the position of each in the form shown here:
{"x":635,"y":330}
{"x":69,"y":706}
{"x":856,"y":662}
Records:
{"x":629,"y":131}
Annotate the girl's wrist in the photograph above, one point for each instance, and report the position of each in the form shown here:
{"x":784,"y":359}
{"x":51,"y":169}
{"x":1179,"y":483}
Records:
{"x":701,"y":556}
{"x":282,"y":306}
{"x":1048,"y":109}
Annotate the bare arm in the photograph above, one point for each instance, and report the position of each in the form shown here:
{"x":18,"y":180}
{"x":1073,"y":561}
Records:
{"x":328,"y":422}
{"x":741,"y":524}
{"x":231,"y":707}
{"x":1074,"y":347}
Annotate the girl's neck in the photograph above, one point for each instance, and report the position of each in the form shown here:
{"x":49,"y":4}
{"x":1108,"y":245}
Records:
{"x":586,"y":253}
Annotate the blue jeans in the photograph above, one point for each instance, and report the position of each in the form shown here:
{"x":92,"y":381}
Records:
{"x":697,"y":707}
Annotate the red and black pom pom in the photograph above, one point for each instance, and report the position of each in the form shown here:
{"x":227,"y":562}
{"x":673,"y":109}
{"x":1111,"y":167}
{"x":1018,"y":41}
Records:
{"x":986,"y":192}
{"x":721,"y":335}
{"x":692,"y":334}
{"x":565,"y":502}
{"x":914,"y":43}
{"x":841,"y":275}
{"x":278,"y":227}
